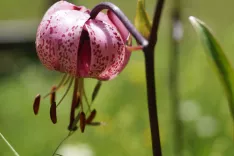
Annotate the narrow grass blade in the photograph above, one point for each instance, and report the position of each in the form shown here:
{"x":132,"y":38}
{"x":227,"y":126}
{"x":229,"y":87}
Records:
{"x":13,"y":150}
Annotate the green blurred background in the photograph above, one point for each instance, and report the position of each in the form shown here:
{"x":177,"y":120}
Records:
{"x":121,"y":103}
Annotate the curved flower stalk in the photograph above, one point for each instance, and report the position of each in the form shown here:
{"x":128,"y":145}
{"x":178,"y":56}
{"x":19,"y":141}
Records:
{"x":69,"y":41}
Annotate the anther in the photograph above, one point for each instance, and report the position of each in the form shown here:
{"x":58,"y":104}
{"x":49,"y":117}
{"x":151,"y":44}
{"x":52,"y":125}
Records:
{"x":36,"y":104}
{"x":82,"y":121}
{"x":97,"y":124}
{"x":53,"y":114}
{"x":91,"y":117}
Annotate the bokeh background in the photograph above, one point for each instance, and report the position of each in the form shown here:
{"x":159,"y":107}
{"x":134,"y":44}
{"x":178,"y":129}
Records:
{"x":121,"y":103}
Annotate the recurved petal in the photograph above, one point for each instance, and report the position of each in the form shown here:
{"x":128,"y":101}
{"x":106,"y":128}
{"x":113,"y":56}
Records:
{"x":107,"y":50}
{"x":103,"y":17}
{"x":63,"y":5}
{"x":127,"y":54}
{"x":124,"y":33}
{"x":119,"y":25}
{"x":58,"y":40}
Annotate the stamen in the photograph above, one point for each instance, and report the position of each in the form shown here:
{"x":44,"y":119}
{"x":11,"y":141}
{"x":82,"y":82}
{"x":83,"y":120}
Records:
{"x":68,"y":88}
{"x":74,"y":103}
{"x":36,"y":104}
{"x":67,"y":80}
{"x":97,"y":124}
{"x":83,"y":91}
{"x":96,"y":89}
{"x":58,"y":86}
{"x":133,"y":48}
{"x":53,"y":114}
{"x":53,"y":95}
{"x":74,"y":127}
{"x":78,"y":100}
{"x":91,"y":116}
{"x":82,"y":122}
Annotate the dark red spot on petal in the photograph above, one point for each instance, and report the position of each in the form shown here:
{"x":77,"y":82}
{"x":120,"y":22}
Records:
{"x":51,"y":30}
{"x":76,"y":8}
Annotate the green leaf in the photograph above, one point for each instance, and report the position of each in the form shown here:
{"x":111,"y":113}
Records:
{"x":142,"y":21}
{"x":219,"y":59}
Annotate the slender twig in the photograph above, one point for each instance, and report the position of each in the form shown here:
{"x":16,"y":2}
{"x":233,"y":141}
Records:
{"x":13,"y":150}
{"x":176,"y":35}
{"x":148,"y":48}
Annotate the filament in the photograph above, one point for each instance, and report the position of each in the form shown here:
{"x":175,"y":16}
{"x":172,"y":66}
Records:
{"x":68,"y":88}
{"x":74,"y":102}
{"x":57,"y":87}
{"x":67,"y":80}
{"x":85,"y":97}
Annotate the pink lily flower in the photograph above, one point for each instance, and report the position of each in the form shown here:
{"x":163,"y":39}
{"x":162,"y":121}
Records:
{"x":68,"y":41}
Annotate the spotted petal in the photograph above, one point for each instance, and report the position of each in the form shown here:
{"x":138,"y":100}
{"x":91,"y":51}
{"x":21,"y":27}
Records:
{"x":107,"y":50}
{"x":64,"y":5}
{"x":103,"y":17}
{"x":124,"y":34}
{"x":58,"y":40}
{"x":119,"y":25}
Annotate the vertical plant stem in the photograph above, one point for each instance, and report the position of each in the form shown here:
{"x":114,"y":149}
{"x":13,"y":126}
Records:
{"x":150,"y":78}
{"x":176,"y":35}
{"x":13,"y":150}
{"x":152,"y":103}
